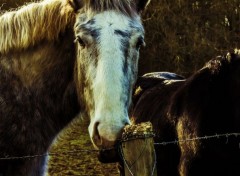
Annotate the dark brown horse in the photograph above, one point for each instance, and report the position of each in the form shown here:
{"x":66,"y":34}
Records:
{"x":151,"y":100}
{"x":208,"y":104}
{"x":205,"y":104}
{"x":46,"y":79}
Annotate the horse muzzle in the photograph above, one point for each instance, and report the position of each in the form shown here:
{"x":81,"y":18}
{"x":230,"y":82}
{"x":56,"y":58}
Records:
{"x":105,"y":136}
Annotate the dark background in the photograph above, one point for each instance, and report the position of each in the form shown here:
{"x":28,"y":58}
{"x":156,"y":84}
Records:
{"x":181,"y":35}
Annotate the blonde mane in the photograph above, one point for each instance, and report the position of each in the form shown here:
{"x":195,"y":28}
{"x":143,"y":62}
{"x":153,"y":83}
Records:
{"x":33,"y":23}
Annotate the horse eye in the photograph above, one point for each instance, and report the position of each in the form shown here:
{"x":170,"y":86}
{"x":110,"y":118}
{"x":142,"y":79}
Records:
{"x":80,"y":41}
{"x":140,"y":43}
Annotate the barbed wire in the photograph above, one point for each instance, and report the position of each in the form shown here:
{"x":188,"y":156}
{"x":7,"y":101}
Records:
{"x":216,"y":136}
{"x":227,"y":135}
{"x":53,"y":154}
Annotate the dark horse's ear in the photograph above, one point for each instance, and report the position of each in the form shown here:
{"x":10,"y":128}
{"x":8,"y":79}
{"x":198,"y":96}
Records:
{"x":76,"y":4}
{"x":141,"y":5}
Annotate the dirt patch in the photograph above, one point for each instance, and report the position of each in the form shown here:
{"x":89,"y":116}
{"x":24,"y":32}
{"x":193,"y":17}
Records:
{"x":68,"y":159}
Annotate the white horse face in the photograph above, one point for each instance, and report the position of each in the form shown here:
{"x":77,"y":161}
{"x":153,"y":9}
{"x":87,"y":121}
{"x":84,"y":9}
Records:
{"x":108,"y":52}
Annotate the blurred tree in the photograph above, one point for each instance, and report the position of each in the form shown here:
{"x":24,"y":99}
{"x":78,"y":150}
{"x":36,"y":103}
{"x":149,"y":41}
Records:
{"x":181,"y":35}
{"x":10,"y":4}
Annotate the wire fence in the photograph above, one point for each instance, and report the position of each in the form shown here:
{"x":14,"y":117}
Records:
{"x":49,"y":154}
{"x":164,"y":143}
{"x":216,"y":136}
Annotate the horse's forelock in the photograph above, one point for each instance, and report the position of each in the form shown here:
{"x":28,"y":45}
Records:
{"x":127,"y":7}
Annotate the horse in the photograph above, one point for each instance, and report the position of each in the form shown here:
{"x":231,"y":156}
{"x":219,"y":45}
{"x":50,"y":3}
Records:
{"x":208,"y":105}
{"x":151,"y":98}
{"x":150,"y":80}
{"x":58,"y":59}
{"x":205,"y":104}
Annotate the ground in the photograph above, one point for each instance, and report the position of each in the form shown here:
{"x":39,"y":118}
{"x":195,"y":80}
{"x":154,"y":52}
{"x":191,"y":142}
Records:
{"x":66,"y":157}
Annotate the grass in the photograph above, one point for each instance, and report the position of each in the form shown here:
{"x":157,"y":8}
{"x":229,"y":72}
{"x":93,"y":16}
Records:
{"x":67,"y":160}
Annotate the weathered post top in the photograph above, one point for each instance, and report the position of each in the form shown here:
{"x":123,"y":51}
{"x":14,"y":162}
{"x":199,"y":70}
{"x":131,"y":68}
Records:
{"x":142,"y":130}
{"x":137,"y":149}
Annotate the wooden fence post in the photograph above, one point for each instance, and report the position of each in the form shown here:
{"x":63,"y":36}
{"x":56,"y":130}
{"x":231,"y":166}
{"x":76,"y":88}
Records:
{"x":137,"y":150}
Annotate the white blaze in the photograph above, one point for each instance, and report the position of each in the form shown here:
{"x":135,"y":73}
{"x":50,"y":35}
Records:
{"x":108,"y":87}
{"x":104,"y":60}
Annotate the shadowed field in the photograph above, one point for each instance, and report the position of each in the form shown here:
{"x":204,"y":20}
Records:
{"x":67,"y":160}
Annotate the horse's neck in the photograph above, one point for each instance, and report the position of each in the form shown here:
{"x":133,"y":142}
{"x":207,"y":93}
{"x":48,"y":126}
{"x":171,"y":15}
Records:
{"x":45,"y":61}
{"x":47,"y":71}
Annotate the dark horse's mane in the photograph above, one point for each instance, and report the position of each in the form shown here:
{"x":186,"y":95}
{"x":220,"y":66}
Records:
{"x":212,"y":84}
{"x":207,"y":103}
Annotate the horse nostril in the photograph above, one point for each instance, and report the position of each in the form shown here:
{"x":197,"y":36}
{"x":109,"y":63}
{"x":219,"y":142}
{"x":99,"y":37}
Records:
{"x":104,"y":135}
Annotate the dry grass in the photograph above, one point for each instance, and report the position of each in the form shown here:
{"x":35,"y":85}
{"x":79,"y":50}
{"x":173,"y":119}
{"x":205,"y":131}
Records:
{"x":75,"y":137}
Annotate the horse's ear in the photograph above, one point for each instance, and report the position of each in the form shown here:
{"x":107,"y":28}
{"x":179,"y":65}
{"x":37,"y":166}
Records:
{"x":76,"y":4}
{"x":141,"y":5}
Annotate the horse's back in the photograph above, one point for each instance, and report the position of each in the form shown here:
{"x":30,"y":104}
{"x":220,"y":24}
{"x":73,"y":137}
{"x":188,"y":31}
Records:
{"x":151,"y":100}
